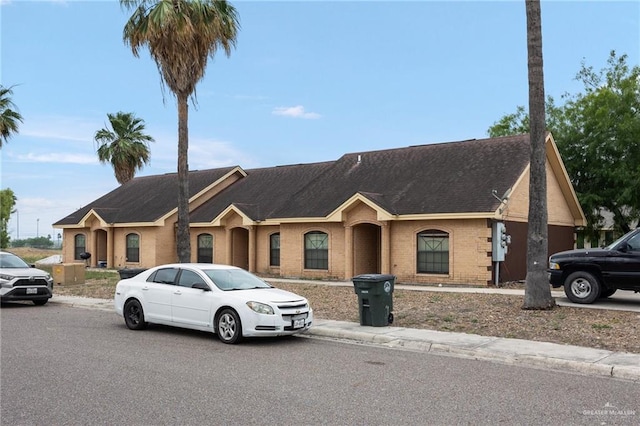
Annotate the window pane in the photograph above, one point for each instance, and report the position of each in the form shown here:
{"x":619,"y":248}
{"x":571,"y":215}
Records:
{"x":274,"y":250}
{"x":205,"y":248}
{"x":133,"y":248}
{"x":165,"y":276}
{"x":316,"y":250}
{"x":433,"y":252}
{"x":189,"y":278}
{"x":80,"y":246}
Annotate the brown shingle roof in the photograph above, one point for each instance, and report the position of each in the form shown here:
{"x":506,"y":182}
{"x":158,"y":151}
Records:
{"x":144,"y":199}
{"x":261,"y":192}
{"x":455,"y":177}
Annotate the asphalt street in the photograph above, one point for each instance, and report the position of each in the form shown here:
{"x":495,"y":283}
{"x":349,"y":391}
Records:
{"x":552,"y":356}
{"x":62,"y":365}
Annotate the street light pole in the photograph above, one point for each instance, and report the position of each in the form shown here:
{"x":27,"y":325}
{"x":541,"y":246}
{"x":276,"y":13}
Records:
{"x":37,"y":227}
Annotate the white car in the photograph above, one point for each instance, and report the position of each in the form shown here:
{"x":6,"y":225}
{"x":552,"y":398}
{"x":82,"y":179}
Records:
{"x":225,"y":300}
{"x":21,"y":281}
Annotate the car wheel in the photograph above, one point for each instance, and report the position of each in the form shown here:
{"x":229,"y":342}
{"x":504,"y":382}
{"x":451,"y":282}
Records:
{"x":582,"y":287}
{"x":134,"y":315}
{"x":40,"y":302}
{"x":607,"y":292}
{"x":228,"y":326}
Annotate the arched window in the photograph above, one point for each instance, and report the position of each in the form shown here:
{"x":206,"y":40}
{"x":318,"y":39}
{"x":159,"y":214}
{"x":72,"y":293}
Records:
{"x":205,"y":248}
{"x":316,"y":250}
{"x":433,"y":252}
{"x":274,"y":249}
{"x":79,"y":246}
{"x":133,"y":248}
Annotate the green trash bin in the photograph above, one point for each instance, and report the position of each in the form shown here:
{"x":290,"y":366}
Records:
{"x":375,"y":298}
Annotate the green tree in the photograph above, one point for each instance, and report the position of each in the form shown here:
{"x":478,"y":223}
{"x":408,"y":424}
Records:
{"x":125,"y":145}
{"x":7,"y":202}
{"x":9,"y":118}
{"x":537,"y":293}
{"x":597,"y":132}
{"x":181,"y":36}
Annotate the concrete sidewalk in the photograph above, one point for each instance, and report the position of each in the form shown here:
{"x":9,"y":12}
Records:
{"x":595,"y":362}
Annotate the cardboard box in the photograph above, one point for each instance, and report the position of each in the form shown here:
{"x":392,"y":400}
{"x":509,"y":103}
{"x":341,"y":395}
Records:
{"x":68,"y":273}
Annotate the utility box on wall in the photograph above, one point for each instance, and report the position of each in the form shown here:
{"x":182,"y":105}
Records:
{"x":68,"y":273}
{"x":499,"y":241}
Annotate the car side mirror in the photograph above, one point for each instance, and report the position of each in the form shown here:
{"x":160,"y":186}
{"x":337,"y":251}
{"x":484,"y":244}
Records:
{"x":201,"y":286}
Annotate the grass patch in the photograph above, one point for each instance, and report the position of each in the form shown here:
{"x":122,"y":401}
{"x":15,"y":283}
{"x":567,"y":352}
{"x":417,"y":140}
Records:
{"x":600,"y":326}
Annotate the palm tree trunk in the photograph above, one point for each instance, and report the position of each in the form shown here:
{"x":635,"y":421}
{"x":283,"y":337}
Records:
{"x":183,"y":240}
{"x":537,"y":290}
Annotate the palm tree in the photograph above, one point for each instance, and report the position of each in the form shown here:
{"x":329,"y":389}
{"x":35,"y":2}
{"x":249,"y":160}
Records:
{"x":537,"y":291}
{"x":181,"y":36}
{"x":125,"y":145}
{"x":8,"y":117}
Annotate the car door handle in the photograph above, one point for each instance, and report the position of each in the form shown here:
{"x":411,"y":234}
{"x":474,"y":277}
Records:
{"x":145,"y":288}
{"x":177,"y":292}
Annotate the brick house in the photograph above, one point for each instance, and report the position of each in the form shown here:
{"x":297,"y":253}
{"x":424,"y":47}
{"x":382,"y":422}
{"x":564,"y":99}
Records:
{"x":423,"y":213}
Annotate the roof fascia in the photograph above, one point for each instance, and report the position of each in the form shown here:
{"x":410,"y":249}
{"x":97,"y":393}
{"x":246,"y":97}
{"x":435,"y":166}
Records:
{"x":82,"y":222}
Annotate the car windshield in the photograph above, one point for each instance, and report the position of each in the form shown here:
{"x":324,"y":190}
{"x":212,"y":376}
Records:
{"x":235,"y":279}
{"x":616,"y":242}
{"x":8,"y":260}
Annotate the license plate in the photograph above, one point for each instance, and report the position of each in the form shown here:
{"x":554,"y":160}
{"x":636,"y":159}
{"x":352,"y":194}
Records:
{"x":32,"y":291}
{"x":298,"y":323}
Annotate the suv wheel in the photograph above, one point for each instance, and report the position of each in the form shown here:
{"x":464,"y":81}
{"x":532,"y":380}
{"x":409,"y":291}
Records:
{"x":582,"y":287}
{"x":606,"y":292}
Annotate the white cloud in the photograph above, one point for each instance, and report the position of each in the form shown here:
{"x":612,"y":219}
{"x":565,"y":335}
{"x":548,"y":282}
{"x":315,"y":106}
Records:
{"x":209,"y":154}
{"x":295,"y":112}
{"x":60,"y":127}
{"x":58,"y":158}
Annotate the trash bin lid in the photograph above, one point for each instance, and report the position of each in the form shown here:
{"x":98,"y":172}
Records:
{"x":374,"y":277}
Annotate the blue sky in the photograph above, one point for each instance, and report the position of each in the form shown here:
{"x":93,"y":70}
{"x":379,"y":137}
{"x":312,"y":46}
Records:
{"x":309,"y":81}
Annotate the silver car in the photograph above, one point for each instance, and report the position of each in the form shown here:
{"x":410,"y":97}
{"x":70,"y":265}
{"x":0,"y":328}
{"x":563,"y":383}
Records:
{"x":21,"y":281}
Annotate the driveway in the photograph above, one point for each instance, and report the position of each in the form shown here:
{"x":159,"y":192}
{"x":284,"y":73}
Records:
{"x":620,"y":301}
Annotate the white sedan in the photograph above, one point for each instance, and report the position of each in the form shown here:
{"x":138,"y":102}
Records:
{"x":225,"y":300}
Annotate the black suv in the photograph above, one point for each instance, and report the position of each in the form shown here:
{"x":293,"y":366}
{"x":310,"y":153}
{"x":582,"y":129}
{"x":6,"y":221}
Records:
{"x":588,"y":274}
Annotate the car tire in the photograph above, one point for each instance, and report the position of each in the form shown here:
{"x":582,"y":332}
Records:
{"x":229,"y":327}
{"x":134,"y":315}
{"x":40,"y":302}
{"x":607,"y":292}
{"x":582,"y":287}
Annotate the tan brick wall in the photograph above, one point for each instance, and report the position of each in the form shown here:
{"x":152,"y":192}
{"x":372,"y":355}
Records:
{"x":468,"y":248}
{"x":263,"y":250}
{"x":68,"y":243}
{"x":292,"y":250}
{"x":557,"y":208}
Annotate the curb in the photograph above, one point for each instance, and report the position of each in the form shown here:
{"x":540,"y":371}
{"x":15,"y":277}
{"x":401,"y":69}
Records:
{"x":599,"y":368}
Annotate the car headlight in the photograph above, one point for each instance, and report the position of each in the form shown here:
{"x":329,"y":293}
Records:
{"x":6,"y":277}
{"x":260,"y":308}
{"x":554,"y":265}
